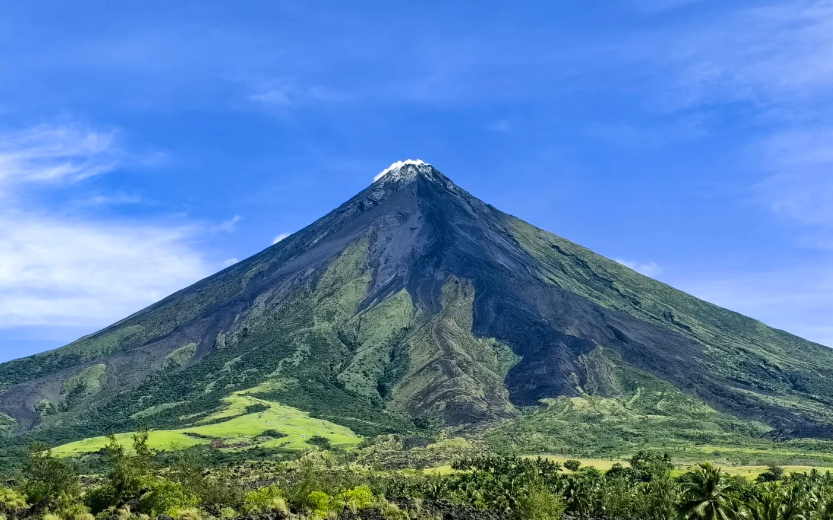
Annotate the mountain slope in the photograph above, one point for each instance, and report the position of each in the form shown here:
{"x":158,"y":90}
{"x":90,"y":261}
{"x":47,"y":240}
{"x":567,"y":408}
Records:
{"x":415,"y":303}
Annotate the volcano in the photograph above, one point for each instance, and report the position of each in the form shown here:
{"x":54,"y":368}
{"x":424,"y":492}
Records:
{"x":413,"y":304}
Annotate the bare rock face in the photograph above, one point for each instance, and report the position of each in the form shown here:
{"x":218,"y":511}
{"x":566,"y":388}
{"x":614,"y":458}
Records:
{"x":415,"y":301}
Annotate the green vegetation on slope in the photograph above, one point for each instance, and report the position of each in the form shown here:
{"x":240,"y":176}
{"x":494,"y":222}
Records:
{"x":375,"y":333}
{"x":7,"y":425}
{"x":84,"y":384}
{"x":297,"y":341}
{"x":180,"y":356}
{"x":765,"y":365}
{"x":622,"y":410}
{"x":236,"y":426}
{"x":305,"y":326}
{"x":450,"y":373}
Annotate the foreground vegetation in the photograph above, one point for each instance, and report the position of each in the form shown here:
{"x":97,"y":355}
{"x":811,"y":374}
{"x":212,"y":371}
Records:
{"x":383,"y":480}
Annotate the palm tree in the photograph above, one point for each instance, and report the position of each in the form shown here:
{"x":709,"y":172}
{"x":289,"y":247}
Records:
{"x":766,"y":506}
{"x":827,"y":511}
{"x":707,"y":494}
{"x":793,"y":500}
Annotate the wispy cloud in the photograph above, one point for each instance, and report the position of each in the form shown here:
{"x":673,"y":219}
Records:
{"x":776,"y":60}
{"x":658,"y":6}
{"x":800,"y":186}
{"x":275,"y":96}
{"x":65,"y":269}
{"x":280,"y":237}
{"x":57,"y":272}
{"x":114,"y":199}
{"x":769,"y":56}
{"x":647,"y":136}
{"x":227,"y":226}
{"x":284,"y":93}
{"x":785,"y":298}
{"x":646,"y":268}
{"x":54,"y":153}
{"x":503,"y":126}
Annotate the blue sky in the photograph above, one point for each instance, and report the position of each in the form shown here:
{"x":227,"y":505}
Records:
{"x":145,"y":145}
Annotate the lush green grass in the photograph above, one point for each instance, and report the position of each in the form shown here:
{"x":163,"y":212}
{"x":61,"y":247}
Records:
{"x":236,"y":428}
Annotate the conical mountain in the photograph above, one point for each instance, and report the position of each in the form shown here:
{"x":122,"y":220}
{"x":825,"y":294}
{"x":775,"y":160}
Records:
{"x":415,"y":303}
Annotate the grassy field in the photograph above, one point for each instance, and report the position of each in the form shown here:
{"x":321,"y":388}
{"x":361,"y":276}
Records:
{"x":241,"y":428}
{"x":748,"y":471}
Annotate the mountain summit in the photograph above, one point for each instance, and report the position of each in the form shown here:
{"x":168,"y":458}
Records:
{"x":414,"y":303}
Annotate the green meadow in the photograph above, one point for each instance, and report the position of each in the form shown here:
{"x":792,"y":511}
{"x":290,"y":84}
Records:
{"x":240,"y":424}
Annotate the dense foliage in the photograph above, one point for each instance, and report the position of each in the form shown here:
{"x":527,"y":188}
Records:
{"x":134,"y":485}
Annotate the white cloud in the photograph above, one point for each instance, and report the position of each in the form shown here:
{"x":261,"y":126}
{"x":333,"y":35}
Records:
{"x":115,"y":199}
{"x":58,"y":272}
{"x":646,"y":268}
{"x":52,"y":153}
{"x":229,"y":262}
{"x":773,"y":56}
{"x":66,"y":269}
{"x":280,"y":237}
{"x":275,"y":96}
{"x":396,"y":166}
{"x":800,"y":186}
{"x":229,"y":225}
{"x":283,"y":93}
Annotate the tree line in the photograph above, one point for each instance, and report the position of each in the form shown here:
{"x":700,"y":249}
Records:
{"x":133,"y":485}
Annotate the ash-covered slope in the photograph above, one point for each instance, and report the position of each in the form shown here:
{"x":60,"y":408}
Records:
{"x":416,"y":303}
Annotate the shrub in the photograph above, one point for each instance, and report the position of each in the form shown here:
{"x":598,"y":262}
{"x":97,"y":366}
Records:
{"x":360,"y":497}
{"x":572,"y":465}
{"x":128,"y":472}
{"x":190,"y":513}
{"x":48,"y":476}
{"x":101,"y":498}
{"x":772,"y":474}
{"x":212,"y":489}
{"x":166,"y":497}
{"x":269,"y":498}
{"x":11,"y":499}
{"x":391,"y":511}
{"x":79,"y":516}
{"x":319,"y":503}
{"x":275,"y":434}
{"x":320,"y":441}
{"x":123,"y":513}
{"x":541,"y":504}
{"x":256,"y":408}
{"x":70,"y":508}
